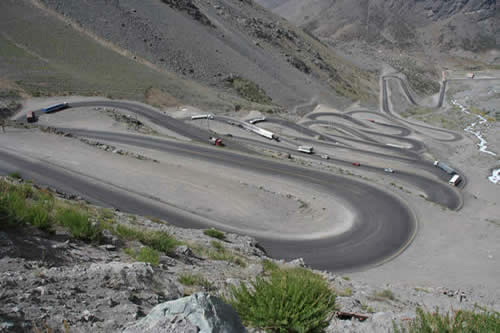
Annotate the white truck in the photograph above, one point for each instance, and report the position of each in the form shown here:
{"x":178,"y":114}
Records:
{"x":455,"y":180}
{"x":257,"y":120}
{"x":305,"y":149}
{"x":202,"y":116}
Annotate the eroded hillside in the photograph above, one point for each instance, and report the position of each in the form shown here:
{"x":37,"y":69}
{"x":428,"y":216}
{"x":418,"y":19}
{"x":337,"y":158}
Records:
{"x":439,"y":25}
{"x":210,"y":42}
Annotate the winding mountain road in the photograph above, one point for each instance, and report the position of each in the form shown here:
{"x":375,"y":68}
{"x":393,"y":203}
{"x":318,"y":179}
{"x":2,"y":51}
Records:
{"x":383,"y":225}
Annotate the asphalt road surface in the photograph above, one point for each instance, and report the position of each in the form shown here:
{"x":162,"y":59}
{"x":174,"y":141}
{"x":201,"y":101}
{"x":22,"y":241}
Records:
{"x":383,"y":227}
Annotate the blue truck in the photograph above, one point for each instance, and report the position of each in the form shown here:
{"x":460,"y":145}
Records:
{"x":56,"y":107}
{"x":445,"y":167}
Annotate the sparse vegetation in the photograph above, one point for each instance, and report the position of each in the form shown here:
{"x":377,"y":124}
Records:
{"x":145,"y":254}
{"x":385,"y":294}
{"x":269,"y":266}
{"x":215,"y":234}
{"x":217,"y":251}
{"x":158,"y":240}
{"x":347,"y":292}
{"x":425,"y":290}
{"x":303,"y":204}
{"x":249,"y":90}
{"x":79,"y":225}
{"x":189,"y":279}
{"x":15,"y":175}
{"x":419,"y":78}
{"x":20,"y":205}
{"x":457,"y":322}
{"x":367,"y":308}
{"x":413,"y":111}
{"x":290,"y":300}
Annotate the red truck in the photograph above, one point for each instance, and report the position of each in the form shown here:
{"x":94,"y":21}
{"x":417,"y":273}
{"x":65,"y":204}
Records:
{"x":30,"y":117}
{"x":215,"y":141}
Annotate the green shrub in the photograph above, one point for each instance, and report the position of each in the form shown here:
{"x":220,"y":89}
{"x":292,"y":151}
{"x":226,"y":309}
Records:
{"x":269,"y":266}
{"x":345,"y":293}
{"x":221,"y":253}
{"x":39,"y":216}
{"x":14,"y":208}
{"x":215,"y":234}
{"x":292,"y":300}
{"x":145,"y":254}
{"x":17,"y":210}
{"x":249,"y":90}
{"x":189,"y":279}
{"x":26,"y":191}
{"x":128,"y":233}
{"x":458,"y":322}
{"x":218,"y":246}
{"x":15,"y":175}
{"x":385,"y":294}
{"x":159,"y":240}
{"x":79,"y":225}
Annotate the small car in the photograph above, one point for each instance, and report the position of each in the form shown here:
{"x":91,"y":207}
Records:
{"x":325,"y":157}
{"x":356,"y":164}
{"x":389,"y":170}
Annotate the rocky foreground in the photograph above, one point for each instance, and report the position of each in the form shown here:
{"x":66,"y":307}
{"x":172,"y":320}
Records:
{"x":53,"y":282}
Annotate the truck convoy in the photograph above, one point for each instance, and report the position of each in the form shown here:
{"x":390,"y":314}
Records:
{"x":455,"y":178}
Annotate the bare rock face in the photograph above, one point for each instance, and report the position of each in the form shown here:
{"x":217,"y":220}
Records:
{"x":445,"y":25}
{"x":200,"y":312}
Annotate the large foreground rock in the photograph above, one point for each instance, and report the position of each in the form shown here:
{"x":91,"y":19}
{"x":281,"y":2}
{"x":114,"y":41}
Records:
{"x":200,"y":312}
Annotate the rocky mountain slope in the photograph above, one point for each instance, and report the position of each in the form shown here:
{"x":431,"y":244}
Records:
{"x":53,"y":279}
{"x":211,"y":42}
{"x":443,"y":26}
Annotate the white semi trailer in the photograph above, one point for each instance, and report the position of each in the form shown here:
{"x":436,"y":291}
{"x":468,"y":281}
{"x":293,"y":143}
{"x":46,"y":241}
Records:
{"x":305,"y":149}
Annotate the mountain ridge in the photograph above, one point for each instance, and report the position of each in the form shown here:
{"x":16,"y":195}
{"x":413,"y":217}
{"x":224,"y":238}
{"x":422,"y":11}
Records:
{"x":444,"y":25}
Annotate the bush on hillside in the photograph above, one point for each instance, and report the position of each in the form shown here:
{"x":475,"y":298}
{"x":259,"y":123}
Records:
{"x":458,"y":322}
{"x":79,"y":225}
{"x":215,"y":234}
{"x":289,"y":300}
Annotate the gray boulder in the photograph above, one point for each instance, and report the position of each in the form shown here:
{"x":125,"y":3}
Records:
{"x":198,"y":313}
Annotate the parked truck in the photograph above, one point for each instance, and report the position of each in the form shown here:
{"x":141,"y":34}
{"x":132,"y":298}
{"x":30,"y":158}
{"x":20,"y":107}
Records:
{"x":445,"y":167}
